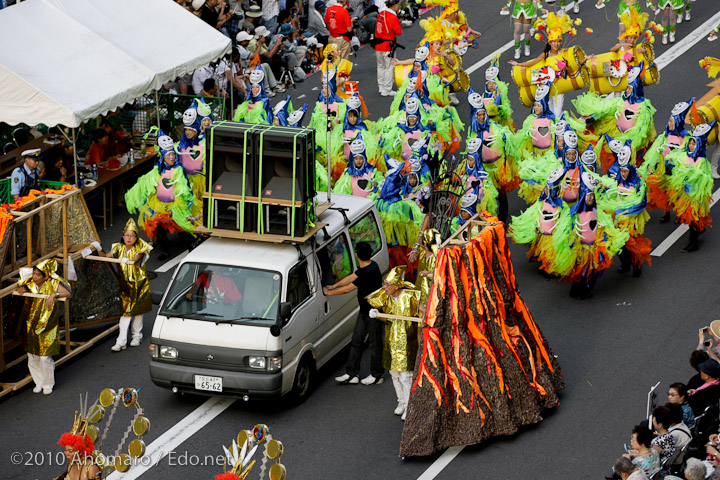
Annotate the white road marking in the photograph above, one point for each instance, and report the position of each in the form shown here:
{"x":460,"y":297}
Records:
{"x":170,"y":440}
{"x":679,"y":232}
{"x":502,"y":49}
{"x":685,"y":43}
{"x":442,"y":462}
{"x":662,"y":61}
{"x":171,"y":263}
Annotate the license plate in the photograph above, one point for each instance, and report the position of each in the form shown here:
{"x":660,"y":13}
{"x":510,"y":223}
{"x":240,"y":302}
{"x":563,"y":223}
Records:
{"x":211,"y":384}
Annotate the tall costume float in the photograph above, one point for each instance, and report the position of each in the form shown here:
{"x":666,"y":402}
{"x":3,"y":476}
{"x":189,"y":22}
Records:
{"x":484,"y":368}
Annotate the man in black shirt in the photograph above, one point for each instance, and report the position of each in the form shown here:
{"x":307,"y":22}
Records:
{"x":366,"y":279}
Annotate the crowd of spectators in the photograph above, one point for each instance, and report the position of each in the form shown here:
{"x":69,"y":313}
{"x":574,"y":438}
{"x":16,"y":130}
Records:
{"x":680,"y":439}
{"x":286,"y":37}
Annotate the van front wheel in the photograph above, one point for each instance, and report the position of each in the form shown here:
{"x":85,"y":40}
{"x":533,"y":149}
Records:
{"x":303,"y":380}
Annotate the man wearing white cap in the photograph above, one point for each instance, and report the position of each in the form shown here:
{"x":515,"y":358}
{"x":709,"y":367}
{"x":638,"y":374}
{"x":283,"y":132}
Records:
{"x":26,"y":177}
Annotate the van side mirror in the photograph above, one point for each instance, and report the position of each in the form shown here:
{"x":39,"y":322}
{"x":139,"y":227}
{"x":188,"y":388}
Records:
{"x":283,"y":317}
{"x":156,"y":297}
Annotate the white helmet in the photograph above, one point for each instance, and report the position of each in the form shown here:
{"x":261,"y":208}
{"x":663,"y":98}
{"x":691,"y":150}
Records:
{"x":474,"y":144}
{"x":412,"y":105}
{"x":571,"y":139}
{"x":476,"y":100}
{"x":555,"y":175}
{"x":357,"y":146}
{"x":165,"y":142}
{"x":411,"y":84}
{"x":257,"y":76}
{"x":491,"y":73}
{"x":588,"y":157}
{"x":189,"y":116}
{"x":701,"y":130}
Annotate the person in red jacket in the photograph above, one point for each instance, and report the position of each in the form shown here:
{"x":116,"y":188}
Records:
{"x":387,"y":29}
{"x":340,"y":27}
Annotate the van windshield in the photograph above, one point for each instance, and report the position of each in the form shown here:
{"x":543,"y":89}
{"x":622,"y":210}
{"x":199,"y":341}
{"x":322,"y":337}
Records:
{"x":220,"y":293}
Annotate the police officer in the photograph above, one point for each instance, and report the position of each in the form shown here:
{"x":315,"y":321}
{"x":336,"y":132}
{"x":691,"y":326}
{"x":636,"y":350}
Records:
{"x":27,"y":176}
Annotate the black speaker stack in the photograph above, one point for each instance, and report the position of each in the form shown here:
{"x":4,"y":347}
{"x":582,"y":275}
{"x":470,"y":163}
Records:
{"x":260,"y":178}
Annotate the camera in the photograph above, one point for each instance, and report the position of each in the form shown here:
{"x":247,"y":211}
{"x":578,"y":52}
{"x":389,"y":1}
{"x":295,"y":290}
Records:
{"x":330,"y":58}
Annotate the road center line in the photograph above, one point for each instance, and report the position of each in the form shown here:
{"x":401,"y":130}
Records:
{"x":171,"y":439}
{"x":662,"y":61}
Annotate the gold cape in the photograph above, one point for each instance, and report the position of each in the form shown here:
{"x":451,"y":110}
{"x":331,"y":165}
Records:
{"x":134,"y":283}
{"x":401,"y":342}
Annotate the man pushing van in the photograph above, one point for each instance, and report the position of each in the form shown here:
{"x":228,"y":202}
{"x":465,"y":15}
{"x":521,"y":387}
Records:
{"x":366,"y":279}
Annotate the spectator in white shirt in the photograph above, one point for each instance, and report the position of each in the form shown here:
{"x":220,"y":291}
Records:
{"x":270,"y":9}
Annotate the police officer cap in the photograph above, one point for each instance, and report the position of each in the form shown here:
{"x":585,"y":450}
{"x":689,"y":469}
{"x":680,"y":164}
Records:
{"x":32,"y":153}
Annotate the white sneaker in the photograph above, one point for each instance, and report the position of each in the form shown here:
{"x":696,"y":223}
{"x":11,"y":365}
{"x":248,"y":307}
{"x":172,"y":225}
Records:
{"x":517,"y":53}
{"x":406,"y":23}
{"x":679,"y":19}
{"x":354,"y":380}
{"x":117,"y":347}
{"x":400,"y":409}
{"x":687,"y":15}
{"x":672,"y":37}
{"x":135,"y":342}
{"x":370,"y":380}
{"x":576,"y":7}
{"x":47,"y":391}
{"x":453,"y":99}
{"x":527,"y":50}
{"x":342,"y":378}
{"x":664,"y":39}
{"x":714,"y":170}
{"x":389,"y":93}
{"x":404,"y":415}
{"x":37,"y":389}
{"x":279,"y":88}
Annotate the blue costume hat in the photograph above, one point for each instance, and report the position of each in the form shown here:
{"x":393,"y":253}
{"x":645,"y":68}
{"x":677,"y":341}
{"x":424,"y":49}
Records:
{"x":412,"y":108}
{"x":570,"y":139}
{"x":166,"y":145}
{"x":492,"y":74}
{"x":357,"y":148}
{"x":475,"y":125}
{"x":468,"y":203}
{"x":390,"y":191}
{"x":588,"y":184}
{"x":329,"y":80}
{"x":354,"y":104}
{"x":560,"y":126}
{"x":296,"y":117}
{"x":552,"y":196}
{"x":282,"y":110}
{"x":635,"y":81}
{"x":541,"y":97}
{"x":257,"y":78}
{"x":678,"y":113}
{"x":622,"y":153}
{"x":191,"y":120}
{"x":700,"y":134}
{"x":588,"y":159}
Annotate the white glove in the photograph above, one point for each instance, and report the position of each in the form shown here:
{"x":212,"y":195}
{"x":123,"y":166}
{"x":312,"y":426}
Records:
{"x":86,"y":252}
{"x":96,"y":245}
{"x":124,"y":260}
{"x":373,"y":313}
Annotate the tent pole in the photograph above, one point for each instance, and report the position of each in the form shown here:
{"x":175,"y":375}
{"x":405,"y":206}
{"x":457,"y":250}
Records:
{"x":157,"y":108}
{"x":75,"y":158}
{"x":232,"y":78}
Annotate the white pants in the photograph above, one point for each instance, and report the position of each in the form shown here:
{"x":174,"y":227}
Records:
{"x":42,"y":370}
{"x":270,"y":81}
{"x":384,"y":71}
{"x":716,"y":156}
{"x":137,"y":324}
{"x":402,"y":381}
{"x":556,"y":105}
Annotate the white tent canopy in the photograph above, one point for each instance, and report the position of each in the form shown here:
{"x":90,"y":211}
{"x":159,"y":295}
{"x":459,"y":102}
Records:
{"x":68,"y":61}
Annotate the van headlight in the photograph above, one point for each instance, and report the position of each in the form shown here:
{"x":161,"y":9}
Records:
{"x":170,"y":353}
{"x":269,"y":364}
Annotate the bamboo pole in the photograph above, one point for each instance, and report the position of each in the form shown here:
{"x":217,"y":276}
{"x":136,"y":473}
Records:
{"x":37,"y":295}
{"x":385,"y":316}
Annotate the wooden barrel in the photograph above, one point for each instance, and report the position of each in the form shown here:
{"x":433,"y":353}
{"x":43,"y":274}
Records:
{"x":401,"y":72}
{"x":561,"y":85}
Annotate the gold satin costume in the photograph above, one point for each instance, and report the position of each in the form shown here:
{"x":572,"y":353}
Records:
{"x":41,"y":322}
{"x":427,"y":258}
{"x":401,"y":342}
{"x":134,"y":283}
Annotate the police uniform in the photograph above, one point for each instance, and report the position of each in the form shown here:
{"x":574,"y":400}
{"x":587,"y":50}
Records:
{"x":23,"y":179}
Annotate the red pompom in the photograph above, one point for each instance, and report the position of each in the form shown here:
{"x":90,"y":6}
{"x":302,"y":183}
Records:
{"x":541,"y":27}
{"x":227,"y":476}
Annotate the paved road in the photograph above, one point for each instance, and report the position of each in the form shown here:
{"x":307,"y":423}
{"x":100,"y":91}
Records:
{"x":634,"y":333}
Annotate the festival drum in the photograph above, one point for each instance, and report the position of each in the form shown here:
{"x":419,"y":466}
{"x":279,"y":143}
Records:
{"x":561,"y":85}
{"x":600,"y":69}
{"x":709,"y":112}
{"x":574,"y":57}
{"x":401,"y":72}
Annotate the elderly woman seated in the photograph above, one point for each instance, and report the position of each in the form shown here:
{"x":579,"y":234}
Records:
{"x":626,"y":470}
{"x":641,"y":452}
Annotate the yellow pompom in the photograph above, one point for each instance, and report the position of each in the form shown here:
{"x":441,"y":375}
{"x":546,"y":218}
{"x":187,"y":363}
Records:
{"x":578,"y":21}
{"x":539,"y":37}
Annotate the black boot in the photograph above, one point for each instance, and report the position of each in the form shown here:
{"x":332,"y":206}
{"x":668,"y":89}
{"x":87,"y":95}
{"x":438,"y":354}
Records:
{"x":665,"y":218}
{"x":637,"y":271}
{"x":692,"y":245}
{"x":502,"y":207}
{"x":624,"y":261}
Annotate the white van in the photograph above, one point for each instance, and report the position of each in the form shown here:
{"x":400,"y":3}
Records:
{"x":249,"y":318}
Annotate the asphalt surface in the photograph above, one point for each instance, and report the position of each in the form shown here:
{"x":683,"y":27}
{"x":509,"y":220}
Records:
{"x":632,"y":334}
